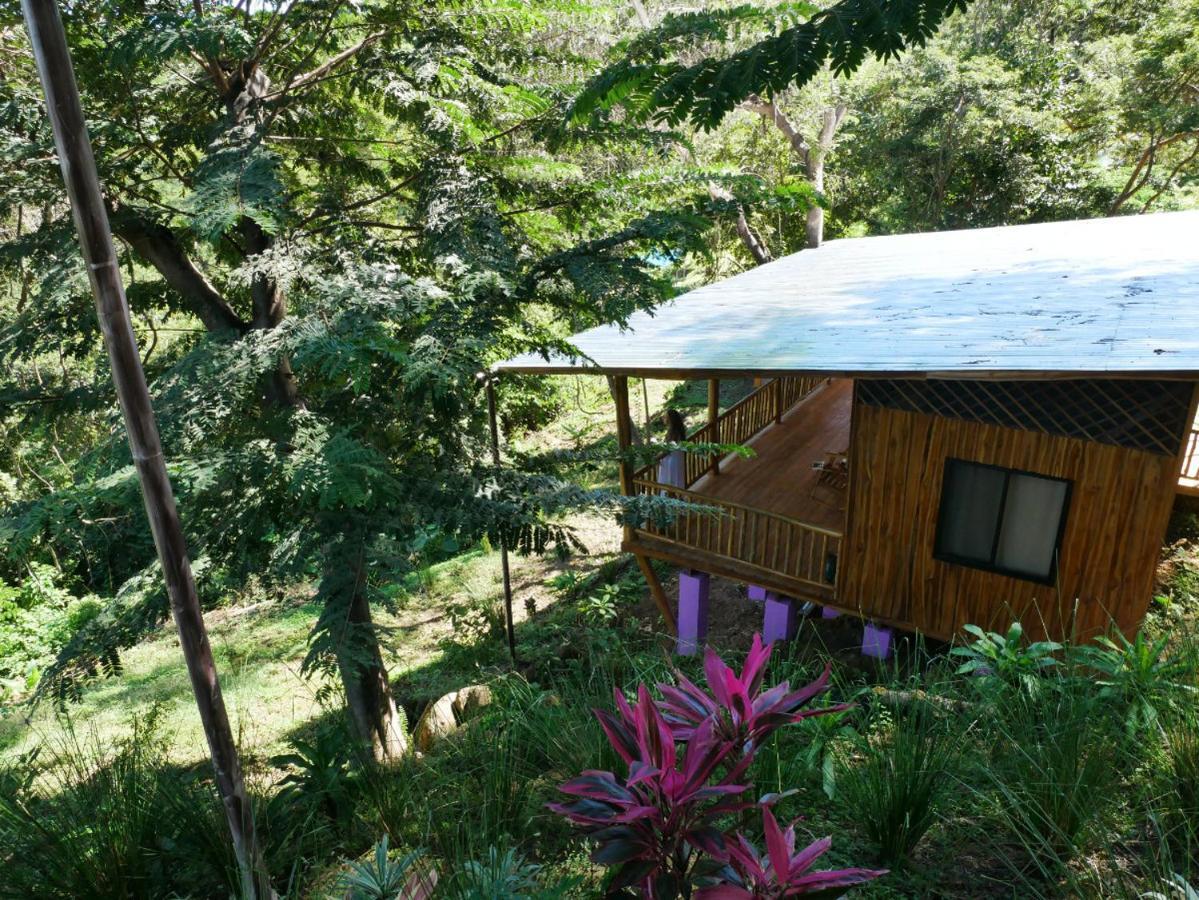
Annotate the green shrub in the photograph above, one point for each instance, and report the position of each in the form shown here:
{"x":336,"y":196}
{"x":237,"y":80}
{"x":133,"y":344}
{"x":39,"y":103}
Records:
{"x":1052,"y":771}
{"x":38,"y":617}
{"x":1138,"y":675}
{"x":1004,"y":658}
{"x":896,"y":782}
{"x":1179,"y":795}
{"x":83,"y":823}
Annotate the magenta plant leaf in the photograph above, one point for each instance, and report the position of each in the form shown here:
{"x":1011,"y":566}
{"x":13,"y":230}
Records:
{"x":782,"y":872}
{"x":688,"y":756}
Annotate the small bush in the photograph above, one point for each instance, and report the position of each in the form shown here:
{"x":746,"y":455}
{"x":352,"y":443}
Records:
{"x":1052,"y":770}
{"x":123,"y":824}
{"x":897,"y":782}
{"x":1180,"y":781}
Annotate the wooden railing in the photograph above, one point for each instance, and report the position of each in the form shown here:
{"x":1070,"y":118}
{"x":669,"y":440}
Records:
{"x":740,"y":422}
{"x":766,"y":541}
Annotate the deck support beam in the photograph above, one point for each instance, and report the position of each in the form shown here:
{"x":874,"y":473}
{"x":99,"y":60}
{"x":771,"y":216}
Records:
{"x":505,"y":566}
{"x":656,"y":591}
{"x":624,"y":431}
{"x":693,"y":611}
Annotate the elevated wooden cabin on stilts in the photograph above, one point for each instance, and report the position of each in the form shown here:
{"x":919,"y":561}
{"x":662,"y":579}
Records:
{"x":977,"y":426}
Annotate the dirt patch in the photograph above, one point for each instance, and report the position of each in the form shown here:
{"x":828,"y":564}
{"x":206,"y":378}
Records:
{"x":733,"y":618}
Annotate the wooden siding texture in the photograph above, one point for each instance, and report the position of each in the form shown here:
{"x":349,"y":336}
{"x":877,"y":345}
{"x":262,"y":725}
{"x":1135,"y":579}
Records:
{"x":1118,"y":510}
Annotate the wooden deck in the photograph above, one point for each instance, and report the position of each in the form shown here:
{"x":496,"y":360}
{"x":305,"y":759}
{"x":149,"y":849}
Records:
{"x":780,"y":478}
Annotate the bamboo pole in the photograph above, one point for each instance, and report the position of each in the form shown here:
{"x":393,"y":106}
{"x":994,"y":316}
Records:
{"x":71,"y":138}
{"x":493,"y":421}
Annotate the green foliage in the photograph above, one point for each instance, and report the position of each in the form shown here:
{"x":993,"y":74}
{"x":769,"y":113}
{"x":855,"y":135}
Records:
{"x":1140,"y":675}
{"x":1005,"y":658}
{"x":326,"y":242}
{"x":899,"y":782}
{"x":1052,"y":774}
{"x":1179,"y":780}
{"x":86,"y":821}
{"x":38,"y":618}
{"x":381,"y":878}
{"x":649,"y":83}
{"x":317,"y":783}
{"x":504,"y":876}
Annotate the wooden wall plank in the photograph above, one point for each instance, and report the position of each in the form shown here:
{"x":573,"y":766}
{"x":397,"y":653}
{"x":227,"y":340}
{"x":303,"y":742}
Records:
{"x":1119,"y":506}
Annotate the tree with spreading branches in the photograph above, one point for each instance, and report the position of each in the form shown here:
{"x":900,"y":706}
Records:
{"x":332,"y":216}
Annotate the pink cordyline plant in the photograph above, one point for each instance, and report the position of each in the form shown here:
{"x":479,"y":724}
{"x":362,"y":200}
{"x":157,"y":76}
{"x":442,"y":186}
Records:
{"x":744,"y":713}
{"x":781,"y":872}
{"x":687,"y":755}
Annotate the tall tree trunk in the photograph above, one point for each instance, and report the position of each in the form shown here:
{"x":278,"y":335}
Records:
{"x":369,"y":700}
{"x":270,"y":309}
{"x":751,"y":239}
{"x":814,"y":169}
{"x":812,"y":156}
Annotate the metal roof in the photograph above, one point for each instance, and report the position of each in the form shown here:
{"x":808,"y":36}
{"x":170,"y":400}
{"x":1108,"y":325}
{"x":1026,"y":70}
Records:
{"x":1097,"y":297}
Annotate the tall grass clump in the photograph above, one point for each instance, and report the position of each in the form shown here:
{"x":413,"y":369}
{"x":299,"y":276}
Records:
{"x":122,"y":824}
{"x":1052,"y":771}
{"x":897,"y":780}
{"x":1179,"y":784}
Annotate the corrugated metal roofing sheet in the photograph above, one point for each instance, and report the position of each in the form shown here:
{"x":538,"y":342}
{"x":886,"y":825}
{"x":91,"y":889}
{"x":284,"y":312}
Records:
{"x":1100,"y":296}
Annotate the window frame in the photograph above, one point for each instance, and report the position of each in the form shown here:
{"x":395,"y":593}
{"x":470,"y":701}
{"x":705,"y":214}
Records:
{"x":1049,"y":578}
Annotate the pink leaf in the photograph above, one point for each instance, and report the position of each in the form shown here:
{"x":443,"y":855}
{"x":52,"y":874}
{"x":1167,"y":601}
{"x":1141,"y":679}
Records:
{"x":619,"y":736}
{"x":755,"y":664}
{"x":776,"y":846}
{"x":834,"y":878}
{"x":715,"y":669}
{"x":809,"y":855}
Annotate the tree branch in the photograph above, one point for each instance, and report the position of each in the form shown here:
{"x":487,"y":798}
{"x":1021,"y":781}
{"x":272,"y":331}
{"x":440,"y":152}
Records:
{"x":329,"y":65}
{"x":771,"y":112}
{"x":158,"y":245}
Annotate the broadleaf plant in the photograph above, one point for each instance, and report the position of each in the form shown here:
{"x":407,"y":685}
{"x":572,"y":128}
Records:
{"x":662,"y":827}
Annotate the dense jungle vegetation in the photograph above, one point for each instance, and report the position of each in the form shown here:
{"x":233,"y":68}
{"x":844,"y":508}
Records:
{"x":331,"y":217}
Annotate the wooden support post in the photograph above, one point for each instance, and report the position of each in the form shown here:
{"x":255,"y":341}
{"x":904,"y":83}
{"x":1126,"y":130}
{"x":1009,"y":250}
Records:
{"x":49,"y":42}
{"x":624,"y":431}
{"x":693,"y":611}
{"x":776,"y":391}
{"x":493,"y":421}
{"x":779,"y":622}
{"x":656,"y":591}
{"x":714,"y":420}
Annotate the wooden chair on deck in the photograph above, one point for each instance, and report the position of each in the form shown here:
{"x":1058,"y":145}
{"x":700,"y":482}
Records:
{"x":833,"y":470}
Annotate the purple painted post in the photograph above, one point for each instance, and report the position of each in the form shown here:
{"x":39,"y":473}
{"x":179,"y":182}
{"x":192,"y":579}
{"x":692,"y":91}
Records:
{"x":876,"y":641}
{"x":757,"y":593}
{"x":780,"y":621}
{"x":828,"y":612}
{"x":693,"y":611}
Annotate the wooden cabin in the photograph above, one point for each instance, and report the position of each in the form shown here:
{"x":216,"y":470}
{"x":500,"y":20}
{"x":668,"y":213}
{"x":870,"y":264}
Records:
{"x":959,"y":427}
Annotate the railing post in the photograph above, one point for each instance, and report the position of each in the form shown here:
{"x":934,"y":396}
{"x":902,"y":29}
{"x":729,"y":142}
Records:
{"x":714,"y":421}
{"x":777,"y":389}
{"x":624,"y":431}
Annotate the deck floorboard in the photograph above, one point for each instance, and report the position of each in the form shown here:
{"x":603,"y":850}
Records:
{"x":780,"y":477}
